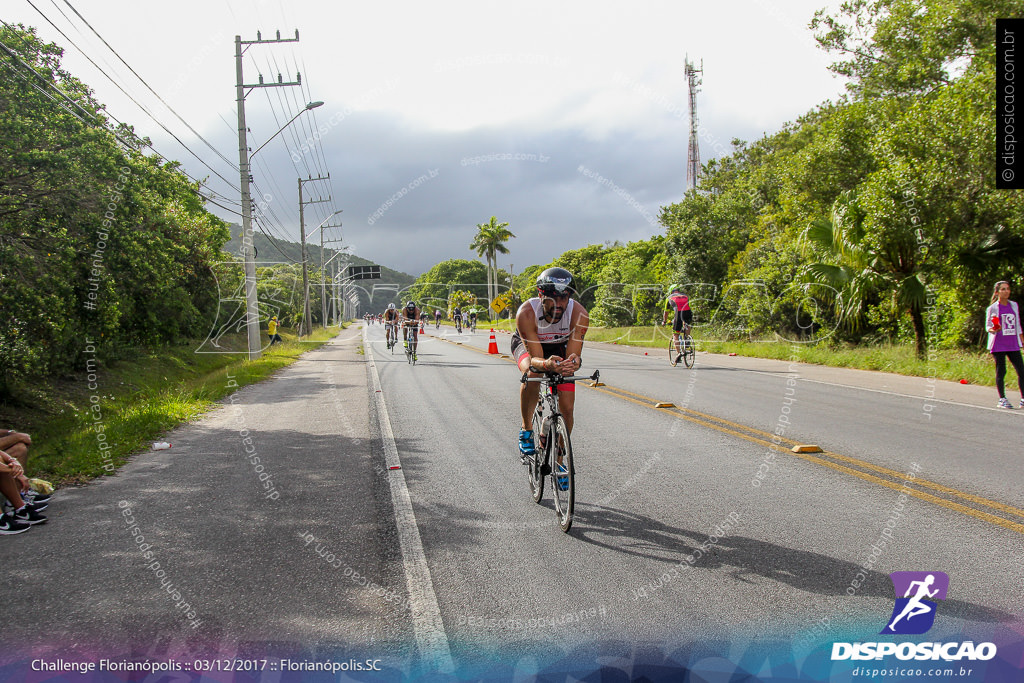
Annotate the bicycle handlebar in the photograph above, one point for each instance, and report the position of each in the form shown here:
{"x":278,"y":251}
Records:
{"x":555,"y":377}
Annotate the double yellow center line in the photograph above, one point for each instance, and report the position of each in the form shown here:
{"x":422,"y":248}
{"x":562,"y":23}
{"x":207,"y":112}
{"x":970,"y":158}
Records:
{"x":993,"y":512}
{"x":1008,"y":517}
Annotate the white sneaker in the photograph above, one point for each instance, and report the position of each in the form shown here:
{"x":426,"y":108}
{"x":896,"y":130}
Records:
{"x":1003,"y":403}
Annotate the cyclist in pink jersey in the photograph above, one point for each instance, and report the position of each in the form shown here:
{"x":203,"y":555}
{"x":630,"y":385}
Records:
{"x":1002,"y":320}
{"x":678,"y":304}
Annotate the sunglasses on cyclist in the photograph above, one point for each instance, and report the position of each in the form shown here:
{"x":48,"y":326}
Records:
{"x":554,"y":293}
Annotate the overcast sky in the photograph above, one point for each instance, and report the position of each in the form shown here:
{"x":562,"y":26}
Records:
{"x":568,"y":120}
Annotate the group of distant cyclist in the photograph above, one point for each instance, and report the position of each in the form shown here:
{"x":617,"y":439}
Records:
{"x":547,"y":346}
{"x":548,"y":339}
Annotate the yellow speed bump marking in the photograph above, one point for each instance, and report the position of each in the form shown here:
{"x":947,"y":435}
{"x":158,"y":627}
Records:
{"x":806,"y":448}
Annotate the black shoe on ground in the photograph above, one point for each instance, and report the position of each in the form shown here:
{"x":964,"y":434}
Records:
{"x":29,"y":515}
{"x":9,"y":525}
{"x":35,"y":497}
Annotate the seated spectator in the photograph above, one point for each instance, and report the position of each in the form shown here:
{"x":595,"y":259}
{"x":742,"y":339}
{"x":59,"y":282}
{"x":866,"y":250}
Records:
{"x":16,"y":445}
{"x":22,"y":515}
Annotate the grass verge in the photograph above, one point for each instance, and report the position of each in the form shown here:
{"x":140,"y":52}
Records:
{"x":975,"y":367}
{"x":134,"y":402}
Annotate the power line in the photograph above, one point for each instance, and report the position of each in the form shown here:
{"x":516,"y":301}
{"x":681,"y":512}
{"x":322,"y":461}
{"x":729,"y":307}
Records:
{"x":187,"y":125}
{"x":128,"y":146}
{"x":129,"y":96}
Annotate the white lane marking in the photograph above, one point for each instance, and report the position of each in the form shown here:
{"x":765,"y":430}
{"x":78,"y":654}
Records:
{"x":427,"y":624}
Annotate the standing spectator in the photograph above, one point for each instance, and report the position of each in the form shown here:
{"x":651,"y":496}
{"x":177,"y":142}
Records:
{"x":1002,"y":319}
{"x":272,"y":330}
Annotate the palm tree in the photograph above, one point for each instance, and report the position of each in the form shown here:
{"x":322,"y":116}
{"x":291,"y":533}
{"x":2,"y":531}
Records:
{"x":489,"y":242}
{"x":863,"y":269}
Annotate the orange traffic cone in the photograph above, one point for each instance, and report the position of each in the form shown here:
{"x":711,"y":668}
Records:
{"x":493,"y":346}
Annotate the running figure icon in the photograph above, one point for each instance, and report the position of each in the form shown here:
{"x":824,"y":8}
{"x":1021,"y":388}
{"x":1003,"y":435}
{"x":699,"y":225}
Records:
{"x":916,"y":593}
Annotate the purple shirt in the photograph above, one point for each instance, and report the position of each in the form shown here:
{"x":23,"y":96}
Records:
{"x":1006,"y":338}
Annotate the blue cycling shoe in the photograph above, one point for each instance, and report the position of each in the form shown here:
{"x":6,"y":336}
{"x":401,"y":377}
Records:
{"x":563,"y":480}
{"x":526,"y":448}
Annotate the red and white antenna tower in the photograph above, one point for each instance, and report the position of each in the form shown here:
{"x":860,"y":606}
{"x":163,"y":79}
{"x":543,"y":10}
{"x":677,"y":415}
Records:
{"x":693,"y":150}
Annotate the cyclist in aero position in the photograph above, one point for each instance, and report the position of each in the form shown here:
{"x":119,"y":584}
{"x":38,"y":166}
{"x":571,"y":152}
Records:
{"x":411,"y":325}
{"x":679,"y":305}
{"x":457,"y":319}
{"x":390,"y":321}
{"x":437,"y":318}
{"x":549,"y":338}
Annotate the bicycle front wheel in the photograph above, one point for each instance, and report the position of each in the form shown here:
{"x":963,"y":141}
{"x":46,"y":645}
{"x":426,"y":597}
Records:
{"x":673,"y":352}
{"x":563,"y":475}
{"x":689,"y":351}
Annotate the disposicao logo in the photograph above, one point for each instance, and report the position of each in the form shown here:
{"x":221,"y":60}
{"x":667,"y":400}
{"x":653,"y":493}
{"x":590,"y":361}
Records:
{"x":916,"y":593}
{"x":914,"y":614}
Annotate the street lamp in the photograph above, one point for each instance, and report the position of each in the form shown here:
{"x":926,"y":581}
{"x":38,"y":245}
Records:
{"x":252,"y":321}
{"x":311,"y":105}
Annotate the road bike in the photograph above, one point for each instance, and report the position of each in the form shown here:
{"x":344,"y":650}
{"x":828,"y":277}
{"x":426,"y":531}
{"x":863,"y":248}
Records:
{"x":682,"y":348}
{"x":458,"y":324}
{"x":472,"y":325}
{"x":410,"y":344}
{"x":552,"y":447}
{"x":391,"y":338}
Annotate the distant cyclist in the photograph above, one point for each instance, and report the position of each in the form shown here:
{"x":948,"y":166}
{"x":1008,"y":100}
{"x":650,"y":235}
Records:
{"x":472,"y":320}
{"x":423,"y":319}
{"x":678,"y":304}
{"x":390,"y":322}
{"x":410,"y":325}
{"x":437,"y":318}
{"x":457,"y":318}
{"x":549,"y":338}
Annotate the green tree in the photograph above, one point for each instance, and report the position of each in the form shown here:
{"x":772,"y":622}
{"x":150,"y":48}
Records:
{"x":489,"y":242}
{"x":434,"y":286}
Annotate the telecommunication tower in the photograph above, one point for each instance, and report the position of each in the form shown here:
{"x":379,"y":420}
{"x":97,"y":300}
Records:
{"x":693,"y":150}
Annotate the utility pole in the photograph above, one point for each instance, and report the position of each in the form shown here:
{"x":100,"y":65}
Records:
{"x":323,"y":273}
{"x":307,"y":323}
{"x":343,"y":291}
{"x":252,"y":310}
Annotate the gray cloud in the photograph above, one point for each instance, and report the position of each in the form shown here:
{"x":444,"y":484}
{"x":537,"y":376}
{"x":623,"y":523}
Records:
{"x":412,"y":198}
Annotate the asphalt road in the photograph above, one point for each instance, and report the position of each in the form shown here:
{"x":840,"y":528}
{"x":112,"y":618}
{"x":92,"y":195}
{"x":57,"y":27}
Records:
{"x":654,"y":485}
{"x":404,"y":526}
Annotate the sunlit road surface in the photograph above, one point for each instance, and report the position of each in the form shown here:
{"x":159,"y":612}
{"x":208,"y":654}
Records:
{"x":697,"y":521}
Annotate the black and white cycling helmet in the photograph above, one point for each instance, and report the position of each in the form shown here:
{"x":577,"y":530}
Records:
{"x":391,"y":307}
{"x":411,"y":304}
{"x":556,"y":281}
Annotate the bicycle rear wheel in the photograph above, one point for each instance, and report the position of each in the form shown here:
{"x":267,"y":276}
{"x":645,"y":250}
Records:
{"x":536,"y":462}
{"x":689,"y":351}
{"x":565,"y":498}
{"x":673,"y":352}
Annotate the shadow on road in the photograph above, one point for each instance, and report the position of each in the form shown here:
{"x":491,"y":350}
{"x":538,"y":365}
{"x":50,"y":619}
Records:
{"x":743,"y":557}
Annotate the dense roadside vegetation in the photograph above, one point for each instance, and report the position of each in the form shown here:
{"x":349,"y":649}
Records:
{"x":104,"y":245}
{"x":99,"y":242}
{"x":113,"y":275}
